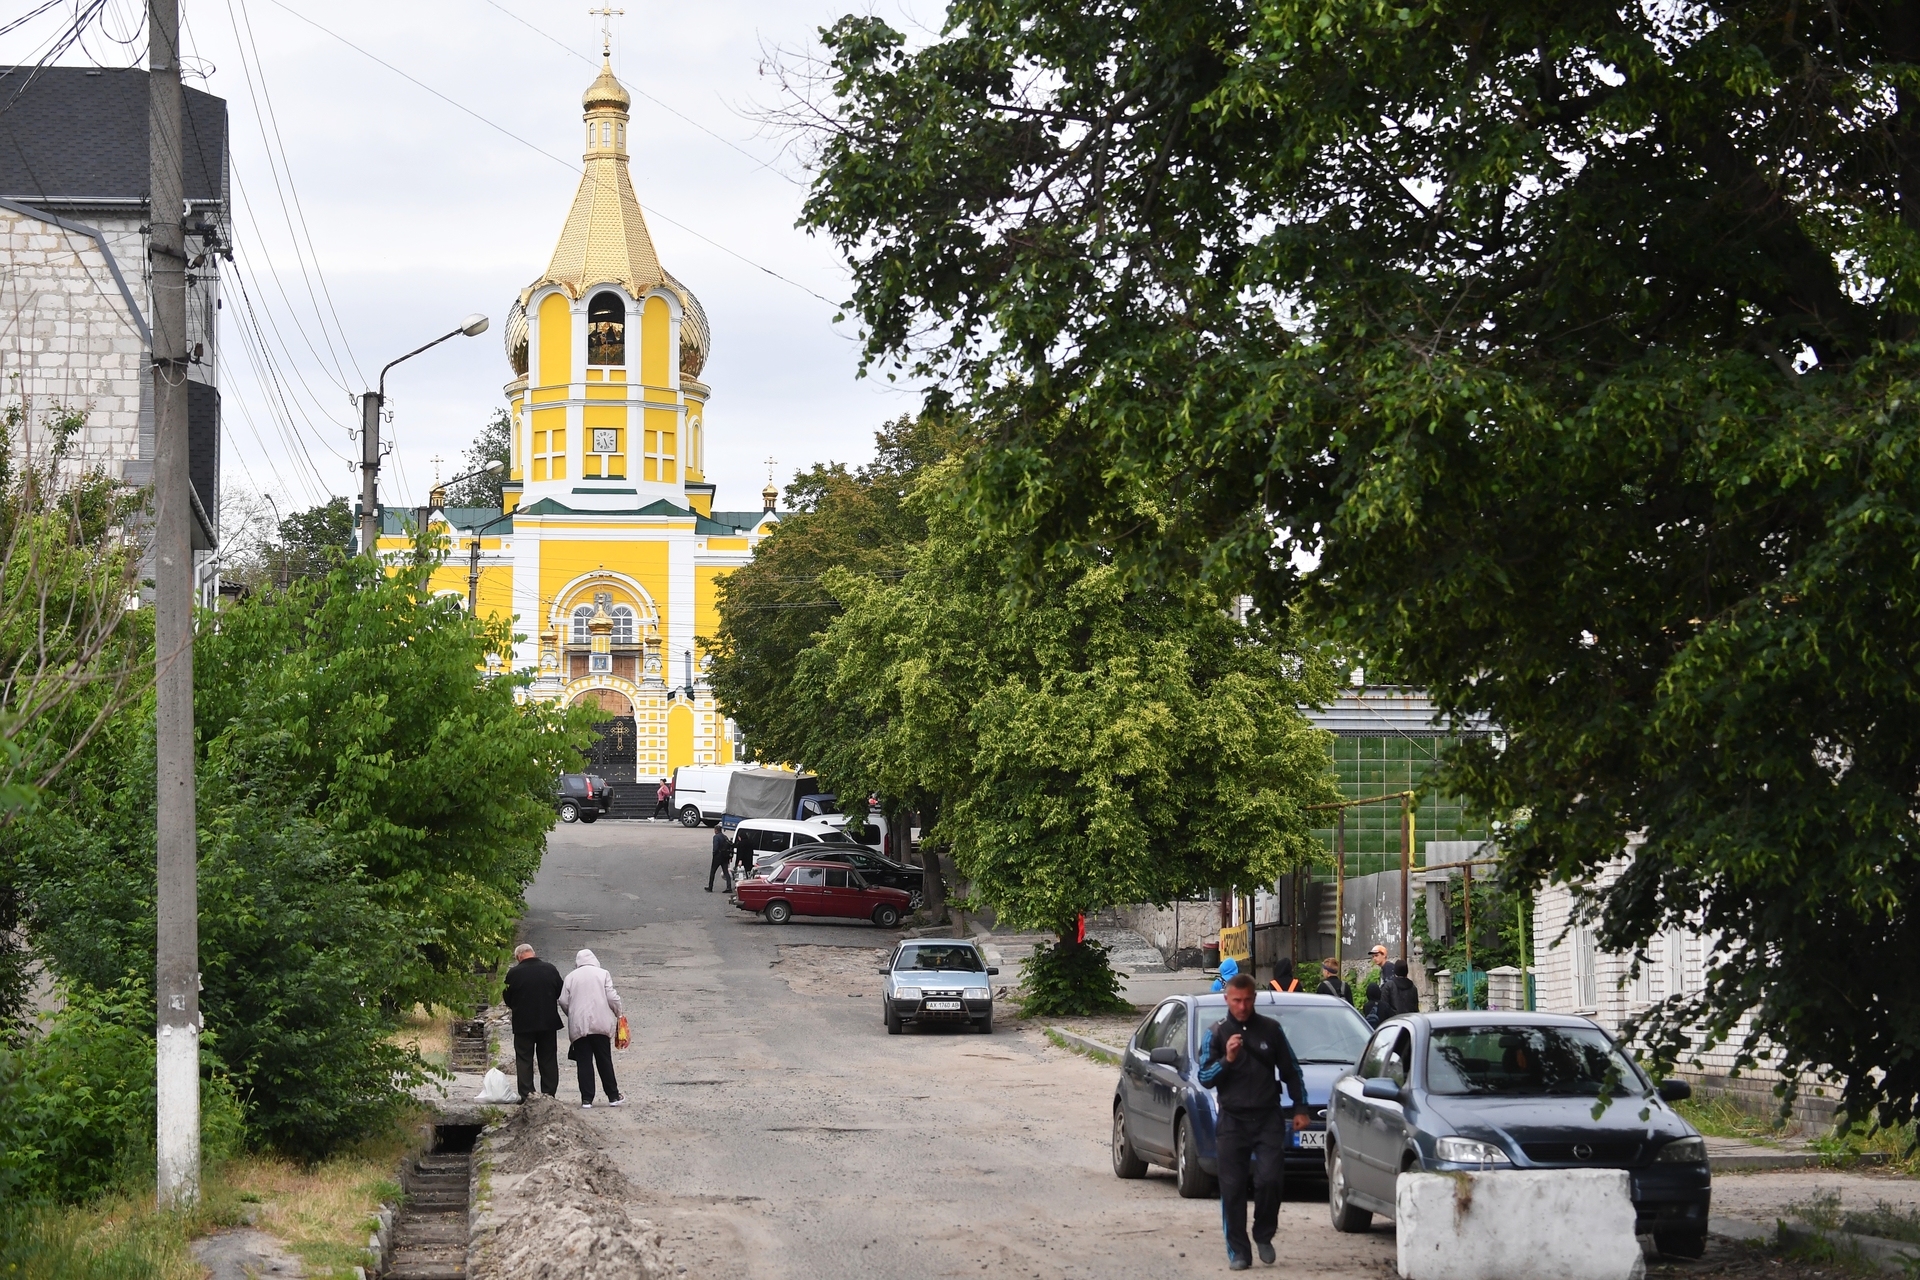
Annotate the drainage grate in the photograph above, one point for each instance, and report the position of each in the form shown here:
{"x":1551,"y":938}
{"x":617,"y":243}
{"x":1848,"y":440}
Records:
{"x":430,"y":1231}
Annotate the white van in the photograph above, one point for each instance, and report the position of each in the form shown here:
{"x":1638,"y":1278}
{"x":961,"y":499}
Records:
{"x":700,"y":792}
{"x":768,"y":840}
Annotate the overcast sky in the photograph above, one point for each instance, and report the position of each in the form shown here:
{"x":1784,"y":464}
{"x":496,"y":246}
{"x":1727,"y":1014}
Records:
{"x":419,"y":214}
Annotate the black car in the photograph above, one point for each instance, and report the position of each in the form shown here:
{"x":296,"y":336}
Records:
{"x":582,"y":797}
{"x":1461,"y":1092}
{"x":873,"y":868}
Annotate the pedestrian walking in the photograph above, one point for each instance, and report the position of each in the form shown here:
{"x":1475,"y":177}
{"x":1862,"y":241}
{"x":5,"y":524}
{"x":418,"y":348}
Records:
{"x":592,"y":1007}
{"x":533,"y":994}
{"x":1228,"y":968}
{"x":1376,"y":986}
{"x":722,"y":860}
{"x":1330,"y":983}
{"x":1243,"y":1062}
{"x":1283,"y":979}
{"x":1406,"y":996}
{"x":663,"y":800}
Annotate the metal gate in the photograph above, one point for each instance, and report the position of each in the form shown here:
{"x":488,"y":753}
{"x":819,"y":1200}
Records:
{"x":611,"y":754}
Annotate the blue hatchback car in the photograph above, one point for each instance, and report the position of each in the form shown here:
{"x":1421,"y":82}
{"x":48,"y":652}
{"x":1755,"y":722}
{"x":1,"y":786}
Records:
{"x":1456,"y":1092}
{"x":1163,"y":1115}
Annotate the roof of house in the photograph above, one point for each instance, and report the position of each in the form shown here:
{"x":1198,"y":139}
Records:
{"x":78,"y":135}
{"x":549,"y":507}
{"x":1380,"y":711}
{"x":745,"y":519}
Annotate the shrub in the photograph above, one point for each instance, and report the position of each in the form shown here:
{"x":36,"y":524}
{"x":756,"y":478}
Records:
{"x":1069,"y":979}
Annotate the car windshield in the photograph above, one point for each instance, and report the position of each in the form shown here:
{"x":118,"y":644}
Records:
{"x":963,"y":959}
{"x":1528,"y":1062}
{"x":1317,"y":1033}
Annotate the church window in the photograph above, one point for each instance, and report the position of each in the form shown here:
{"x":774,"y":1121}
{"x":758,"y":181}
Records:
{"x":623,"y":624}
{"x":581,"y":616}
{"x":620,"y":132}
{"x":607,"y":330}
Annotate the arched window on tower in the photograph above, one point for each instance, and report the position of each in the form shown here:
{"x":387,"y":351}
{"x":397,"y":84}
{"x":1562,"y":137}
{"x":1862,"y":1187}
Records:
{"x":623,"y":625}
{"x":607,"y":329}
{"x":582,"y":614}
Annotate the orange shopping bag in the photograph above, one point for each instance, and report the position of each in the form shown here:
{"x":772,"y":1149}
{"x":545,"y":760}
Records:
{"x":620,"y":1037}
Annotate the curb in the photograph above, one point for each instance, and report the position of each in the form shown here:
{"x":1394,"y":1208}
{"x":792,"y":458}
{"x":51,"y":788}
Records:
{"x":1085,"y":1044}
{"x":1889,"y":1255}
{"x":1758,"y":1162}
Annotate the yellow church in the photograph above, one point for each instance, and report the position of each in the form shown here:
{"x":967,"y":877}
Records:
{"x":609,"y":547}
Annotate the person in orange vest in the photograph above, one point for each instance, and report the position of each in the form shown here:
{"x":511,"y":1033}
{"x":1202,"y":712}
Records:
{"x":1283,"y":979}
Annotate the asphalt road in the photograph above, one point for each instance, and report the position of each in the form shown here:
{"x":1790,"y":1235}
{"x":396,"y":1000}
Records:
{"x":776,"y":1130}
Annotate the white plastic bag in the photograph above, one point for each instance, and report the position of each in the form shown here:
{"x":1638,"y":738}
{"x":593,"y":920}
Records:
{"x":497,"y":1088}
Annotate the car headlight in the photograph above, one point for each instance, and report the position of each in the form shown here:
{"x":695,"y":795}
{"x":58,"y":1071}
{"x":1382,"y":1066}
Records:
{"x":1469,"y":1151}
{"x":1683,"y":1151}
{"x":979,"y":993}
{"x":909,"y":994}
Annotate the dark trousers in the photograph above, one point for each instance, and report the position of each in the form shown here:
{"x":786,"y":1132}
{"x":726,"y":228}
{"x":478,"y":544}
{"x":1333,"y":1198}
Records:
{"x":1252,"y":1147}
{"x":586,"y":1051}
{"x":661,"y":808}
{"x":722,"y":864}
{"x":525,"y":1046}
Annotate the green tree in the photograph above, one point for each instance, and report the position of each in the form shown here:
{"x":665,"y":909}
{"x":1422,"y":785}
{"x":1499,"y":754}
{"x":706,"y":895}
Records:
{"x":1089,"y":741}
{"x":1573,"y":344}
{"x":493,"y":445}
{"x":371,"y":809}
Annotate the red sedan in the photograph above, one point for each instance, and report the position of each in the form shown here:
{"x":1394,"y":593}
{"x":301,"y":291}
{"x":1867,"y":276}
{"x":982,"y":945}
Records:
{"x":801,"y":888}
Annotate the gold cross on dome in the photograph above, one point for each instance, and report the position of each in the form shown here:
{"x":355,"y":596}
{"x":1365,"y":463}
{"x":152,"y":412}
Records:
{"x":771,"y":464}
{"x":606,"y":16}
{"x":436,"y":470}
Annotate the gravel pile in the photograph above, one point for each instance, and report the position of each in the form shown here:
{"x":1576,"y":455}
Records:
{"x":555,"y":1205}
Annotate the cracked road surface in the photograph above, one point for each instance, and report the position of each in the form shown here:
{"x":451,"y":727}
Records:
{"x":774,"y":1129}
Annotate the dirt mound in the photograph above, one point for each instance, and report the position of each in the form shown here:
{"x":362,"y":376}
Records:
{"x":557,"y":1205}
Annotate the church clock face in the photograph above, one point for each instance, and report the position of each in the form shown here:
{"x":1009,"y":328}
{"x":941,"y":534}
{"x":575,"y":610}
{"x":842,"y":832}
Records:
{"x":605,"y":440}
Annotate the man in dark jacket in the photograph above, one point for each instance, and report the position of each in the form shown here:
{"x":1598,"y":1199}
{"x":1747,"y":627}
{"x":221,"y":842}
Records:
{"x":1330,"y":984}
{"x":722,"y":859}
{"x":533,"y":993}
{"x":1405,"y":996}
{"x":1243,"y":1062}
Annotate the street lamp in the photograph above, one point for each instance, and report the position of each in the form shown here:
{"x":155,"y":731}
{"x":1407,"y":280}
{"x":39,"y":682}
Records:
{"x":370,"y":403}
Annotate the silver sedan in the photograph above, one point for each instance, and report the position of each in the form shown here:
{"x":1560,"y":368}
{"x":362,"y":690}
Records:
{"x":935,"y":980}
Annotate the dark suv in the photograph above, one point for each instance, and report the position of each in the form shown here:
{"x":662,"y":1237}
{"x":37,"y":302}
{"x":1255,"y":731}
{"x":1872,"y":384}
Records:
{"x":582,"y":797}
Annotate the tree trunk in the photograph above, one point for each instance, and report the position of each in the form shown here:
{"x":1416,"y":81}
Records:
{"x":934,"y":888}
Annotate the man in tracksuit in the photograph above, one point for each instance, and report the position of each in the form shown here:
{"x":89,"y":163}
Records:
{"x":1243,"y":1062}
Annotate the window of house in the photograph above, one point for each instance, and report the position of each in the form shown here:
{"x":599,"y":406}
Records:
{"x":1586,"y":979}
{"x":607,"y":330}
{"x":1676,"y":964}
{"x":624,"y":625}
{"x":582,"y":614}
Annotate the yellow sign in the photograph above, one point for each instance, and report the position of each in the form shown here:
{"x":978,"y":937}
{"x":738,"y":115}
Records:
{"x":1233,"y":942}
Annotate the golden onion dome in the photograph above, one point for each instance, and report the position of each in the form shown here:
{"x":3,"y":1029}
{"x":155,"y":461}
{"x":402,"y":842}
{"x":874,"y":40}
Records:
{"x":696,"y":336}
{"x":606,"y":91}
{"x":516,"y":337}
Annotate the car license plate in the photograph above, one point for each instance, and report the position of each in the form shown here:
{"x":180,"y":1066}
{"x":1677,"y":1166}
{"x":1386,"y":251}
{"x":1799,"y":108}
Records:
{"x":944,"y":1005}
{"x":1311,"y":1139}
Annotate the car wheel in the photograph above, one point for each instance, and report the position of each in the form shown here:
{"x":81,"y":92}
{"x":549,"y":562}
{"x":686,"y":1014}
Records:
{"x":893,"y":1020}
{"x":886,"y":915}
{"x":778,"y":912}
{"x":915,"y":897}
{"x":986,"y":1024}
{"x":1681,"y":1244}
{"x":690,"y":816}
{"x":1126,"y":1163}
{"x":588,"y":815}
{"x":1188,"y":1176}
{"x":569,"y":811}
{"x":1346,"y":1217}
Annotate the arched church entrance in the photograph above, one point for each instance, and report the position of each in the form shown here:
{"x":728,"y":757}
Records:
{"x":611,"y":755}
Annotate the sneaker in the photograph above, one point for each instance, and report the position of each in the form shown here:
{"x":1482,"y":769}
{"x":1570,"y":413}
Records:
{"x":621,"y":1102}
{"x":1265,"y":1249}
{"x":1235,"y":1263}
{"x":586,"y":1106}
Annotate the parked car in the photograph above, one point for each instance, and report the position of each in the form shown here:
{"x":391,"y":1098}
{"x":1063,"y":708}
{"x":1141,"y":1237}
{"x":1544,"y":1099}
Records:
{"x":1163,"y":1115}
{"x":873,"y":829}
{"x":874,"y":868}
{"x":770,"y":841}
{"x":936,"y":980}
{"x":807,"y":888}
{"x":1446,"y":1092}
{"x":582,"y":797}
{"x":700,"y":792}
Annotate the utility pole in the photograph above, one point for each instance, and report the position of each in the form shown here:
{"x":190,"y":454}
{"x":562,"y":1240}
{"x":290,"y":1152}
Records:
{"x":370,"y":469}
{"x":177,"y":941}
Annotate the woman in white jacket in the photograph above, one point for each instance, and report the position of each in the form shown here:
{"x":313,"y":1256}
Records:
{"x":592,"y":1007}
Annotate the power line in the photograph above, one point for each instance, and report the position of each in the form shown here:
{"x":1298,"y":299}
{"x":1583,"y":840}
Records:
{"x":548,"y":154}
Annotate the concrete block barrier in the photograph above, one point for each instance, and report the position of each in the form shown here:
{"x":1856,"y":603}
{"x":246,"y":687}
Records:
{"x":1571,"y":1224}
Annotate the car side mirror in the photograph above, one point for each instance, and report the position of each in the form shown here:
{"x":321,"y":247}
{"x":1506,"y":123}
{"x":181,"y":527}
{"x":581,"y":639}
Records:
{"x":1164,"y":1057}
{"x":993,"y":971}
{"x":1381,"y":1088}
{"x":884,"y":969}
{"x":1675,"y":1090}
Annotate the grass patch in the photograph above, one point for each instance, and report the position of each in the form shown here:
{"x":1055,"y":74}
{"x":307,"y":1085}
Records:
{"x":1070,"y":1046}
{"x":322,"y":1211}
{"x":428,"y":1031}
{"x":1722,"y":1117}
{"x":1895,"y":1146}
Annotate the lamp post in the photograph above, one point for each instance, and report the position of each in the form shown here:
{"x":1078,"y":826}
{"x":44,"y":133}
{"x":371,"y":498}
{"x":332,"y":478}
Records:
{"x":370,"y":403}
